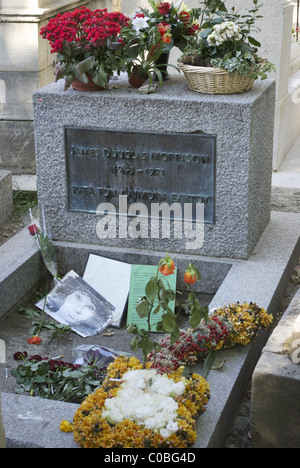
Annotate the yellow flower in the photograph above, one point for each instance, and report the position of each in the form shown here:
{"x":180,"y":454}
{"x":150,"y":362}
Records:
{"x":65,"y":426}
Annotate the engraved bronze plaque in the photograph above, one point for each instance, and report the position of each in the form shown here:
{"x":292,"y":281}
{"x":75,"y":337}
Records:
{"x":147,"y":167}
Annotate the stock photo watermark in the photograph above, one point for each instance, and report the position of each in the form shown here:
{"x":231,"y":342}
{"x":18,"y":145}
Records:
{"x":296,"y":93}
{"x":295,"y":355}
{"x":159,"y":221}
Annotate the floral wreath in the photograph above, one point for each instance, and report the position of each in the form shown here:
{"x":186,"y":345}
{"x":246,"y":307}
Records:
{"x":179,"y":401}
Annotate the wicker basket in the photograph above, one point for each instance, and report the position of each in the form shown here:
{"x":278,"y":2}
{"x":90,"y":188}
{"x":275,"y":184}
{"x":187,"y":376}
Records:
{"x":210,"y":80}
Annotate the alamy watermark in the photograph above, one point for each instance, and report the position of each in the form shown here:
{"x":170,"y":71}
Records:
{"x":159,"y":221}
{"x":295,"y":356}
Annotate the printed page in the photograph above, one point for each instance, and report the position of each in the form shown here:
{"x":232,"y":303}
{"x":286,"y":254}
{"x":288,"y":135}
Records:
{"x":140,"y":275}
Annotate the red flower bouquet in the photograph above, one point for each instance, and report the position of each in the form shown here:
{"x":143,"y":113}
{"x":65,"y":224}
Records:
{"x":180,"y":21}
{"x":87,"y":43}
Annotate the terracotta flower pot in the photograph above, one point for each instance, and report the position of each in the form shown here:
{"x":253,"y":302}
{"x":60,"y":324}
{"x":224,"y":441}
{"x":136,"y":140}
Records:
{"x":90,"y":86}
{"x":135,"y":80}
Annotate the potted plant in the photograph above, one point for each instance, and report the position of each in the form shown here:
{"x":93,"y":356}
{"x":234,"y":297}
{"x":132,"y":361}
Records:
{"x":88,"y":46}
{"x":150,"y":36}
{"x":224,"y":57}
{"x":181,"y":21}
{"x":144,"y":44}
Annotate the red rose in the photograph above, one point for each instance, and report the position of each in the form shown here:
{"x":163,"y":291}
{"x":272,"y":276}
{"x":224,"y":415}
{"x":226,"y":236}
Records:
{"x":193,"y":29}
{"x":184,"y":16}
{"x":164,"y":8}
{"x":35,"y":340}
{"x":33,"y":229}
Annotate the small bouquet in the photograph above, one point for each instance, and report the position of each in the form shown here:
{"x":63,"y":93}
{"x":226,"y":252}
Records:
{"x":179,"y":22}
{"x":151,"y":34}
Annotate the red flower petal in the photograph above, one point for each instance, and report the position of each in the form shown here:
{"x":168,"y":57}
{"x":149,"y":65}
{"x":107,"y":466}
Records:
{"x":35,"y":340}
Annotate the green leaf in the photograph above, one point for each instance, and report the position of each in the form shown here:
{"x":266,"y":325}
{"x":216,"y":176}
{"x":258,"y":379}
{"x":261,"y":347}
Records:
{"x":175,"y":335}
{"x":195,"y":319}
{"x":29,"y":313}
{"x":131,"y":328}
{"x":253,"y":41}
{"x":151,"y":290}
{"x":85,"y":66}
{"x":169,"y":323}
{"x":157,"y":309}
{"x":210,"y":359}
{"x":143,"y":307}
{"x":206,"y":32}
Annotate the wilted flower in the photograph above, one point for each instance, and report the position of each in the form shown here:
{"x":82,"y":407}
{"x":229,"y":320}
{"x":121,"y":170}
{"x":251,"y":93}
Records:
{"x":167,"y":266}
{"x":19,"y":356}
{"x":35,"y":340}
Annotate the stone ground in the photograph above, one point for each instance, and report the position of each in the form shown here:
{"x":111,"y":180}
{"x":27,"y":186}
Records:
{"x":15,"y":331}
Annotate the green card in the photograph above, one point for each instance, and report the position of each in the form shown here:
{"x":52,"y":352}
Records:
{"x":140,"y":275}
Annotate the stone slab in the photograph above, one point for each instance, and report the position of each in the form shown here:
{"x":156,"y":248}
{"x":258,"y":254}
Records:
{"x":34,"y":422}
{"x":26,"y":182}
{"x":275,"y":418}
{"x":275,"y":411}
{"x":244,"y":156}
{"x":6,"y":197}
{"x":72,"y":255}
{"x":21,"y":268}
{"x":17,"y":152}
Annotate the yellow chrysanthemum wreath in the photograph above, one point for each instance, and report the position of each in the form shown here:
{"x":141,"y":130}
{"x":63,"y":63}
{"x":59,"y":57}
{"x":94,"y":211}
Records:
{"x":243,"y":321}
{"x":92,"y":430}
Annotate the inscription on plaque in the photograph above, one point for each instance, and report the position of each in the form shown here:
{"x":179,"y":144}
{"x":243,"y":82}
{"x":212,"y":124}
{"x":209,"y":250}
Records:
{"x":147,"y":167}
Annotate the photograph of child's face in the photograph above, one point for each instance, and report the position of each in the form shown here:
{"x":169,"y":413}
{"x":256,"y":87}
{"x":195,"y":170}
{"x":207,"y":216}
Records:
{"x":75,"y":303}
{"x":78,"y":306}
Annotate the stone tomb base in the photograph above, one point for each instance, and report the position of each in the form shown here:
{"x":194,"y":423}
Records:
{"x":261,"y":279}
{"x":242,"y":126}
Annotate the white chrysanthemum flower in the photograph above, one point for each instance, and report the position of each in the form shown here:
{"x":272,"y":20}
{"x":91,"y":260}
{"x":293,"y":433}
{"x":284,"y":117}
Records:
{"x":147,"y":398}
